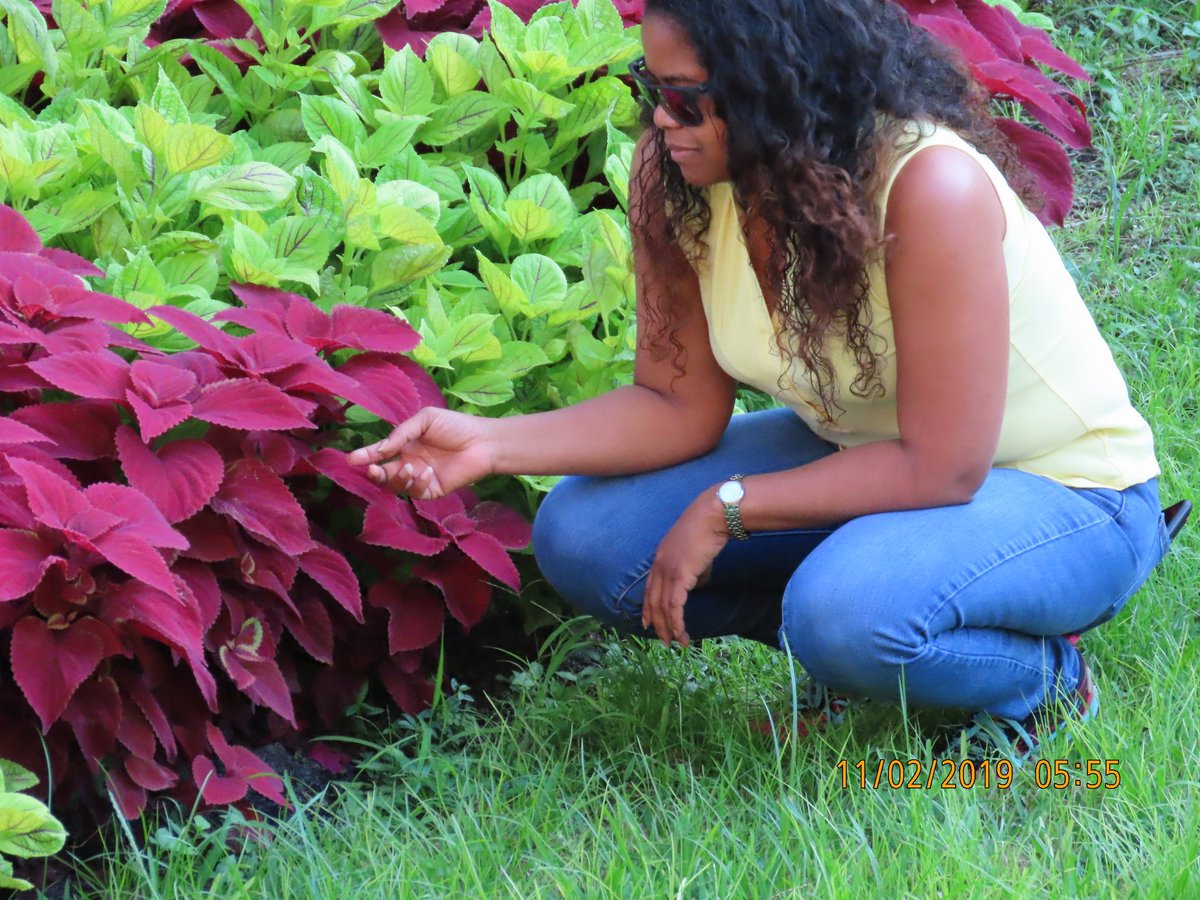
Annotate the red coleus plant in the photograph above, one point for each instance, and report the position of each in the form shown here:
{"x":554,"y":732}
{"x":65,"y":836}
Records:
{"x":1006,"y":56}
{"x":174,"y":571}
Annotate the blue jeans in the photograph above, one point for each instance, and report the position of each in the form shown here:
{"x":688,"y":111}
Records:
{"x":956,"y":606}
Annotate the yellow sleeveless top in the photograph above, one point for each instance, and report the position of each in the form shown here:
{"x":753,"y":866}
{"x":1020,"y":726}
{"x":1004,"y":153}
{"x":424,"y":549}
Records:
{"x":1067,"y":414}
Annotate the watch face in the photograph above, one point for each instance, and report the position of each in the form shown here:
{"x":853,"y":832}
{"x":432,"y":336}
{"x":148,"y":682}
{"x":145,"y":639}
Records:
{"x":731,"y":492}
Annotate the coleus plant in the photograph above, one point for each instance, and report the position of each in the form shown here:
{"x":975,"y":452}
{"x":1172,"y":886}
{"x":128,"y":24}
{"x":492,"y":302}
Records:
{"x":182,"y":556}
{"x":1006,"y":55}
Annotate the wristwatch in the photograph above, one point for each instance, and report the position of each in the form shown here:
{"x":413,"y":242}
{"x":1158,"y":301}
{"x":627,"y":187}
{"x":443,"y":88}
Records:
{"x":730,"y":494}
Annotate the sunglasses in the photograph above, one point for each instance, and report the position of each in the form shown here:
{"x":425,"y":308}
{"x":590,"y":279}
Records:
{"x":680,"y":103}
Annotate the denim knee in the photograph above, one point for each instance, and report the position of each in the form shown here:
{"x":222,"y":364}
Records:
{"x":576,"y":555}
{"x":827,"y":631}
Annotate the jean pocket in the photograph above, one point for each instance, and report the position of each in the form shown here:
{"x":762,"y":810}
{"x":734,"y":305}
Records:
{"x":1111,"y":501}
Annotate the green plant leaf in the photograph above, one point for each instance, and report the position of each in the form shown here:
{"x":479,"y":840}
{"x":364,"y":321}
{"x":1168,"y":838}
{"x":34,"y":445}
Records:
{"x":403,"y":265}
{"x":114,"y":141}
{"x":248,"y":258}
{"x":251,"y":186}
{"x":460,"y":116}
{"x":534,"y":104}
{"x":329,"y":116}
{"x":452,"y":58}
{"x":410,"y":194}
{"x":224,"y":73}
{"x":511,"y":297}
{"x":14,"y":777}
{"x":488,"y":388}
{"x":407,"y":226}
{"x":80,"y":29}
{"x":405,"y":86}
{"x":301,"y":240}
{"x":191,"y":147}
{"x":508,"y":34}
{"x":519,"y":358}
{"x":168,"y":102}
{"x":393,"y":135}
{"x":27,"y":828}
{"x":542,"y":280}
{"x":29,"y":36}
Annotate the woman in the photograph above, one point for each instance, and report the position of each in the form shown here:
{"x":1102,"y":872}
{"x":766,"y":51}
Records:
{"x":958,"y":481}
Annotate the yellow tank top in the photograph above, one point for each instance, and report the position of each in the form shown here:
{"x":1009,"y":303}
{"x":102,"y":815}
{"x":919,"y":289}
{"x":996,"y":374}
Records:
{"x":1067,"y":414}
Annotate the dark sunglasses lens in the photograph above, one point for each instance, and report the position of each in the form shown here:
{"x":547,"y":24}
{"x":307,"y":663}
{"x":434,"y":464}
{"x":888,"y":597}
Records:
{"x":681,"y":107}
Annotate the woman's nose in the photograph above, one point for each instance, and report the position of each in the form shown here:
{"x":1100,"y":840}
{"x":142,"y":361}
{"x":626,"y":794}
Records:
{"x":663,"y":119}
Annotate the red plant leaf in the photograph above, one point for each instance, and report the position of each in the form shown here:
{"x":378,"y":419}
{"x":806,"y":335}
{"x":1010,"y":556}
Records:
{"x":94,"y":715}
{"x":353,"y":479}
{"x":503,"y":523}
{"x":328,"y":568}
{"x":100,"y":375}
{"x":142,"y":516}
{"x":55,"y":502}
{"x":250,"y":405}
{"x":77,"y":302}
{"x":162,"y":616}
{"x":224,"y":19}
{"x":71,"y":262}
{"x":215,"y":789}
{"x":411,"y":694}
{"x":258,"y":500}
{"x":16,"y":234}
{"x":210,"y":537}
{"x":130,"y":797}
{"x":148,"y":774}
{"x":156,"y":420}
{"x":262,"y":354}
{"x":14,"y":432}
{"x":49,"y":665}
{"x":180,"y":479}
{"x":270,"y":569}
{"x":26,"y":558}
{"x":416,"y":615}
{"x":134,"y":732}
{"x":462,"y":583}
{"x":261,"y":681}
{"x":383,"y":387}
{"x":997,"y":28}
{"x":134,"y":686}
{"x":370,"y":329}
{"x":157,"y":383}
{"x":490,"y":554}
{"x":311,"y":626}
{"x":1049,"y":163}
{"x":392,"y":524}
{"x":80,"y":429}
{"x":205,"y":590}
{"x":136,"y":556}
{"x":329,"y":759}
{"x":77,"y":336}
{"x":265,"y":299}
{"x":209,"y":337}
{"x":241,"y":761}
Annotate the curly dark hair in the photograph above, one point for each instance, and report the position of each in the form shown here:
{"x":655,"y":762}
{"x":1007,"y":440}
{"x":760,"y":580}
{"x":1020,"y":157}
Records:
{"x":812,"y":93}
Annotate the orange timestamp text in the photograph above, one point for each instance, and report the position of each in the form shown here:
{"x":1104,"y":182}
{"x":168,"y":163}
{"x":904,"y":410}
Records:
{"x":947,"y":774}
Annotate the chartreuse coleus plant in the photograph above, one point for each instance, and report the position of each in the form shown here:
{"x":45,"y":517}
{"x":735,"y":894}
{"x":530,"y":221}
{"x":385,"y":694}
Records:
{"x":187,"y":560}
{"x":479,"y":193}
{"x":27,"y":829}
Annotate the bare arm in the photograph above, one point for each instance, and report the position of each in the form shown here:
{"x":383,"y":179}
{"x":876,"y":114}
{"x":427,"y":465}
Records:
{"x":664,"y":417}
{"x":948,"y":290}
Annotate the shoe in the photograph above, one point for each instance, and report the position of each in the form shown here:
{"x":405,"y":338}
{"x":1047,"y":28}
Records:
{"x":817,"y":709}
{"x":988,"y":737}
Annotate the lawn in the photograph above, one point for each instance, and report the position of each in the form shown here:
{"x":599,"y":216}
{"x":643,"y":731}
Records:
{"x":621,"y":769}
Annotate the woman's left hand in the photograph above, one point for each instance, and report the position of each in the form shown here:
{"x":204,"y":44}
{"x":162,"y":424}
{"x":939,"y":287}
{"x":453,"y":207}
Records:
{"x":684,"y":558}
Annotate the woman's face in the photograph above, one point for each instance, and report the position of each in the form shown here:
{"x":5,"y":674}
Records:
{"x":699,"y":151}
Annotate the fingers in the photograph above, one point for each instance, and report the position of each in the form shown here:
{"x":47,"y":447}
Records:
{"x":662,"y":609}
{"x":406,"y":431}
{"x":404,"y":479}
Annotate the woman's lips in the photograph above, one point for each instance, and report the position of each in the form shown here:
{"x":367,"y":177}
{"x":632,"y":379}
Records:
{"x":678,"y":153}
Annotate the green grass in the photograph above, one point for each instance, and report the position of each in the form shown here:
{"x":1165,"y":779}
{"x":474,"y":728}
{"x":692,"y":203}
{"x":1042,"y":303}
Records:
{"x":639,"y":775}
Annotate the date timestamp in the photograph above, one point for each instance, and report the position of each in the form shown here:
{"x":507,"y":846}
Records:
{"x":946,"y":774}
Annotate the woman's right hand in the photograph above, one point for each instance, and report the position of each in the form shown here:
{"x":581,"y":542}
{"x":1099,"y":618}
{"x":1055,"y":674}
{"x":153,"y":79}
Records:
{"x":430,"y":455}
